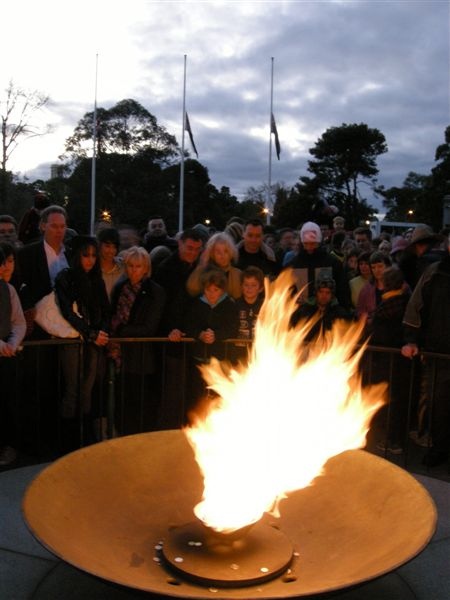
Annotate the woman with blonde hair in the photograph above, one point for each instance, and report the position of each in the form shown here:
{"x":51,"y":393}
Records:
{"x":137,"y":306}
{"x":220,"y":252}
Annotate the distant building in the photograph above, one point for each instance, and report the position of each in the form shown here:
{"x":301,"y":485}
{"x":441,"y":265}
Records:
{"x":56,"y":170}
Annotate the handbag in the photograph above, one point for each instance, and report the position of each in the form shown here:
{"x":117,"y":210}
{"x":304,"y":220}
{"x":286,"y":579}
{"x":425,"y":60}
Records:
{"x":49,"y":317}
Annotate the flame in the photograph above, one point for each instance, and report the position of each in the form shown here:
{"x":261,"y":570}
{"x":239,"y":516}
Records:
{"x":277,"y":421}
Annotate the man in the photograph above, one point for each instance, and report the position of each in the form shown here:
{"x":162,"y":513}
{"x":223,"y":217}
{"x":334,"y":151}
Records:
{"x":41,"y":261}
{"x":427,"y":322}
{"x":419,"y":254}
{"x":313,"y":262}
{"x":253,"y":252}
{"x":8,"y":230}
{"x":172,"y":274}
{"x":39,"y":264}
{"x":363,"y":239}
{"x":157,"y":235}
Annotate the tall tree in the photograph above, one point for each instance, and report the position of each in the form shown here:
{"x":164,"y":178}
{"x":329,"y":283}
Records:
{"x":126,"y":128}
{"x":345,"y":157}
{"x":19,"y":109}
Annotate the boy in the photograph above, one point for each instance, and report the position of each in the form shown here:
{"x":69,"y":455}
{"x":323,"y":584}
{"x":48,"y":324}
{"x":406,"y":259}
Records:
{"x":212,"y":319}
{"x":248,"y":307}
{"x":12,"y":332}
{"x":323,"y":306}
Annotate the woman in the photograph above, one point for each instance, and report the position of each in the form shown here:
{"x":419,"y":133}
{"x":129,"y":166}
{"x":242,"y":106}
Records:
{"x":364,"y":275}
{"x":220,"y":252}
{"x":137,"y":306}
{"x":111,"y":266}
{"x":371,"y":293}
{"x":82,"y":298}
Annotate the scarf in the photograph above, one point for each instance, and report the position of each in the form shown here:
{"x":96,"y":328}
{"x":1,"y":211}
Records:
{"x":125,"y":303}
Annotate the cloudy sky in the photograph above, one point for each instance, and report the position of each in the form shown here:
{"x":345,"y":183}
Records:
{"x":385,"y":63}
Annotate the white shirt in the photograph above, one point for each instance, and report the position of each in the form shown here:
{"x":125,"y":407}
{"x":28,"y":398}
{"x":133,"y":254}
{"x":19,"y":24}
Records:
{"x":55,"y":262}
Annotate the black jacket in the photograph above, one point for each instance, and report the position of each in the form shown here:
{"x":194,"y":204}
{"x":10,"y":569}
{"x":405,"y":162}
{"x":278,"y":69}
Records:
{"x":92,"y":306}
{"x":144,"y":321}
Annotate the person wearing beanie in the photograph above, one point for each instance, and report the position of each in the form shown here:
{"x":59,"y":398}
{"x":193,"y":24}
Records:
{"x":313,"y":261}
{"x":111,"y":266}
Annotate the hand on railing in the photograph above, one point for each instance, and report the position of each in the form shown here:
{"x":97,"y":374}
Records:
{"x":176,"y":335}
{"x":102,"y":338}
{"x":207,"y":336}
{"x":410,"y":350}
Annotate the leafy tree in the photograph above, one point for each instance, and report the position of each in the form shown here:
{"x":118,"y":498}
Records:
{"x":18,"y":111}
{"x":345,"y":157}
{"x":422,"y":194}
{"x":126,"y":128}
{"x":401,"y":203}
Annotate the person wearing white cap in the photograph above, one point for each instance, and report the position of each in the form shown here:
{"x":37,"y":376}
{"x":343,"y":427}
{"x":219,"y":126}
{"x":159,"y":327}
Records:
{"x":313,"y":262}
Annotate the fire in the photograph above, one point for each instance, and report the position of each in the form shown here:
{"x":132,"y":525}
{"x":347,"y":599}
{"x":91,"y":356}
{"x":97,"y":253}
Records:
{"x":277,"y":421}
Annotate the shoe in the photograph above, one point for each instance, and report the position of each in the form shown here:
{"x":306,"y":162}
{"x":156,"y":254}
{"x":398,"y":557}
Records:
{"x":391,"y":448}
{"x":7,"y":456}
{"x":434,"y":458}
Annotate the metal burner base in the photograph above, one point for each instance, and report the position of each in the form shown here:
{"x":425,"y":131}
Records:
{"x":202,"y":556}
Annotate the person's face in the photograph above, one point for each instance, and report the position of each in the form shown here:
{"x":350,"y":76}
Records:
{"x":88,"y":258}
{"x":352,"y":262}
{"x":253,"y":235}
{"x":250,"y":289}
{"x":107,"y":251}
{"x":8,"y":268}
{"x":54,"y":229}
{"x":323,"y":296}
{"x":361,"y":239}
{"x":156,"y":228}
{"x":287,"y":240}
{"x":8,"y":232}
{"x":213,"y":293}
{"x":378,"y":269}
{"x":221,"y":255}
{"x":189,"y":250}
{"x":136,"y":270}
{"x":385,"y":247}
{"x":310,"y":247}
{"x":364,"y":269}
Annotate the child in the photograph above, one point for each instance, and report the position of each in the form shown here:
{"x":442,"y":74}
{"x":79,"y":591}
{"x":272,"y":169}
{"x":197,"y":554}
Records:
{"x":248,"y":307}
{"x":12,"y":332}
{"x":323,"y":306}
{"x":211,"y":320}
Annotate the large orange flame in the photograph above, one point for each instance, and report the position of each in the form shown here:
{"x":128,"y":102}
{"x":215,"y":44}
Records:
{"x":277,"y":421}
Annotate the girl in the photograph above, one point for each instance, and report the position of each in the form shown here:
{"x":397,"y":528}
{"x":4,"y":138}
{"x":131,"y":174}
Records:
{"x":83,"y":301}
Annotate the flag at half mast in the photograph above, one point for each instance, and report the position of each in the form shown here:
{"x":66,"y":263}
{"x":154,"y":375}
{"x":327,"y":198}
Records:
{"x":187,"y":127}
{"x":273,"y":129}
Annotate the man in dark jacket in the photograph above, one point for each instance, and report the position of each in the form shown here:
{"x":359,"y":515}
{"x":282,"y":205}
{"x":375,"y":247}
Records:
{"x":313,"y":262}
{"x":427,"y":324}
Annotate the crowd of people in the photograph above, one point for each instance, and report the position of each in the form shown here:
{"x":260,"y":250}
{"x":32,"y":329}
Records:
{"x":209,"y":285}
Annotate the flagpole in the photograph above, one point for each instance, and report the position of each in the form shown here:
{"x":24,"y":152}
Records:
{"x":94,"y":151}
{"x":181,"y":207}
{"x":269,"y":186}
